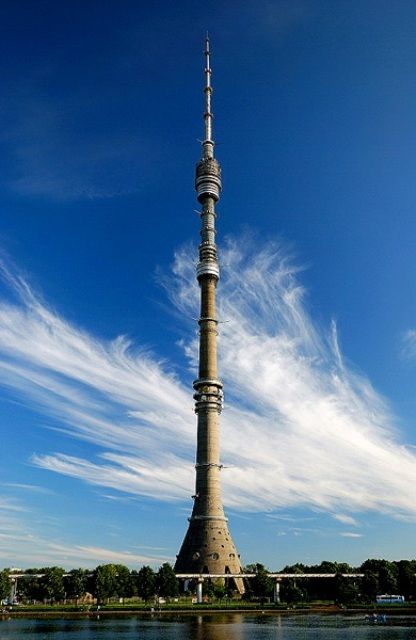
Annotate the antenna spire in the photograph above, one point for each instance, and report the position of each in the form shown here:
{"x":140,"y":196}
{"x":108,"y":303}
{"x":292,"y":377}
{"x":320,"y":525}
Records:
{"x":208,"y":143}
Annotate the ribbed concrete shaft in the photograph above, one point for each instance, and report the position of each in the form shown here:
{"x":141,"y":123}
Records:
{"x":208,"y":547}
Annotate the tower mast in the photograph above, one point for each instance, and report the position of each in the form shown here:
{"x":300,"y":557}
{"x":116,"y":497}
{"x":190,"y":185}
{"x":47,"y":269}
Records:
{"x":208,"y":547}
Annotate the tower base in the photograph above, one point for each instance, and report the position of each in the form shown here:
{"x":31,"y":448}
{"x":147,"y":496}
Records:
{"x":208,"y":548}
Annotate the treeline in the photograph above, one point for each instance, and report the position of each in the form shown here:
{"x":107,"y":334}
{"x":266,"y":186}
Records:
{"x":54,"y":584}
{"x":110,"y":581}
{"x":379,"y":577}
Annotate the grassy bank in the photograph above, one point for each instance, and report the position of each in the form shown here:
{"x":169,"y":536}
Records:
{"x":186,"y":608}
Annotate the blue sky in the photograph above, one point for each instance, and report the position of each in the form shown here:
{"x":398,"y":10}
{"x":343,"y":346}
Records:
{"x":102,"y":107}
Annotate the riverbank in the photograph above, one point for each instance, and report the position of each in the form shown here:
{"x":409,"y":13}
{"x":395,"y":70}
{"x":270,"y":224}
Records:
{"x":148,"y":610}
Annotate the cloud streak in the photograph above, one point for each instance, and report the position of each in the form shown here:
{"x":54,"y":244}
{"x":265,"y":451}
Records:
{"x":408,"y":344}
{"x":22,"y":546}
{"x":300,"y":428}
{"x":345,"y":519}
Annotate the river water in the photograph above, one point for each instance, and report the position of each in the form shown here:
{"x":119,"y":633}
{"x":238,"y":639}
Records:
{"x":227,"y":626}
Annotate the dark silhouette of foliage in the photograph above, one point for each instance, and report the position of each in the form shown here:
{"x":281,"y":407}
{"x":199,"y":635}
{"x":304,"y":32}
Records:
{"x":167,"y":584}
{"x":51,"y":584}
{"x":146,"y":585}
{"x":5,"y":584}
{"x":75,"y":583}
{"x":291,"y":593}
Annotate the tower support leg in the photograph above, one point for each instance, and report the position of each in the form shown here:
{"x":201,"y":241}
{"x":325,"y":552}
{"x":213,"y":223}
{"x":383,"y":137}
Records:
{"x":13,"y":590}
{"x":199,"y":590}
{"x":276,"y":591}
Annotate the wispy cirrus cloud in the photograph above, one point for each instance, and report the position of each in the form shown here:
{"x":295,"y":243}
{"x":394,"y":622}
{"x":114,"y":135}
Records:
{"x":408,"y":344}
{"x":29,"y":549}
{"x":345,"y":519}
{"x":23,"y":546}
{"x":300,"y":428}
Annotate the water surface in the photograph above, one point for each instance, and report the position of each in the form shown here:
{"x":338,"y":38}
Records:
{"x":227,"y":626}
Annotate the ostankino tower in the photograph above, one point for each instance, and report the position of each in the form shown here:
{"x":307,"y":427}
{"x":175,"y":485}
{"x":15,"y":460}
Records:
{"x":208,"y":547}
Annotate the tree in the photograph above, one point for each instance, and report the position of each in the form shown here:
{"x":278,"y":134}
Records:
{"x":167,"y":584}
{"x":51,"y":584}
{"x":105,"y":582}
{"x":406,"y":579}
{"x":29,"y":588}
{"x":261,"y":585}
{"x":388,"y":577}
{"x":322,"y":588}
{"x":370,"y":586}
{"x":346,"y":591}
{"x":386,"y":573}
{"x":326,"y":567}
{"x":146,"y":583}
{"x":124,"y":587}
{"x":290,"y":593}
{"x":219,"y":590}
{"x":344,"y":567}
{"x":5,"y":584}
{"x":297,"y":568}
{"x":76,"y":583}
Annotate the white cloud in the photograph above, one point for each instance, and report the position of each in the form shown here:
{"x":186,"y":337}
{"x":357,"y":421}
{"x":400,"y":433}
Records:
{"x":21,"y":545}
{"x":27,"y":487}
{"x":31,"y":550}
{"x":341,"y":517}
{"x":299,"y":428}
{"x":95,"y":555}
{"x":409,"y":344}
{"x":350,"y":534}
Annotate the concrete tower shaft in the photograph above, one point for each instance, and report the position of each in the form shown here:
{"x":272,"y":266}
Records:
{"x":208,"y":547}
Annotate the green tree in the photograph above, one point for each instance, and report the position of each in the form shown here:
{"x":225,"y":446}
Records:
{"x":291,"y":593}
{"x":51,"y":583}
{"x":219,"y":590}
{"x":105,"y":582}
{"x":346,"y":591}
{"x":167,"y":584}
{"x":261,"y":585}
{"x":297,"y":568}
{"x":387,"y":573}
{"x":322,"y":588}
{"x":344,"y":567}
{"x":134,"y":577}
{"x":124,"y":587}
{"x":406,"y":579}
{"x":146,"y":583}
{"x":5,"y":584}
{"x":75,"y":583}
{"x":387,"y":576}
{"x":370,"y":586}
{"x":326,"y":567}
{"x":29,"y":588}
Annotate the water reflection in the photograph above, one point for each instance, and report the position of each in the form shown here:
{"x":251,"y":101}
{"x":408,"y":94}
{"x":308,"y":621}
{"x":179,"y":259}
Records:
{"x":219,"y":627}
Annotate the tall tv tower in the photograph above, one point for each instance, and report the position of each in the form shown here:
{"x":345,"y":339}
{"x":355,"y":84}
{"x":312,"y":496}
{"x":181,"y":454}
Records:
{"x":208,"y":547}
